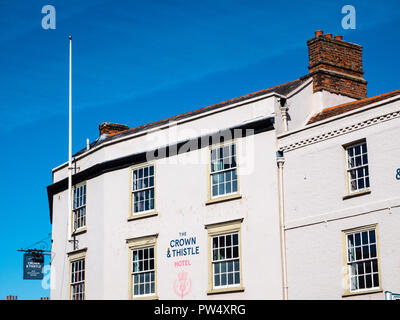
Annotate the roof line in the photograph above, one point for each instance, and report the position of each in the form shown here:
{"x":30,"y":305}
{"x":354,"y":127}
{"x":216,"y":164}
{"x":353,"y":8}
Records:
{"x":205,"y":108}
{"x":341,"y":108}
{"x":360,"y":101}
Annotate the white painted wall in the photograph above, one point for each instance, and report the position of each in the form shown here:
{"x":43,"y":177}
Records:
{"x":315,"y":183}
{"x":181,"y":194}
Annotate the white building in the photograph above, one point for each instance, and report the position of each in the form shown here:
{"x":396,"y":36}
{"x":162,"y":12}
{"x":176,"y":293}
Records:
{"x":257,"y":197}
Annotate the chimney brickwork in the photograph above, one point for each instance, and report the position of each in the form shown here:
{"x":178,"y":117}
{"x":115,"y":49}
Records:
{"x":110,"y":128}
{"x":336,"y":66}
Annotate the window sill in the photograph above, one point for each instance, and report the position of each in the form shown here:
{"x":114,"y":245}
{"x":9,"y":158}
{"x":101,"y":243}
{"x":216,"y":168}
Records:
{"x":350,"y":294}
{"x":79,"y":231}
{"x":356,"y":194}
{"x":225,"y":290}
{"x":223,"y":199}
{"x":142,"y":215}
{"x":146,"y":298}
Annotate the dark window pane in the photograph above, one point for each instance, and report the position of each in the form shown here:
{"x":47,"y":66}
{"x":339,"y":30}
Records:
{"x":235,"y":252}
{"x":229,"y":252}
{"x":216,"y":280}
{"x":372,"y":236}
{"x":361,"y":282}
{"x":235,"y":239}
{"x":222,"y":253}
{"x":228,"y":240}
{"x":223,"y":279}
{"x":368,"y":281}
{"x":234,"y":186}
{"x":350,"y":240}
{"x":358,"y":253}
{"x":365,"y":237}
{"x":215,"y":242}
{"x":236,"y":265}
{"x":373,"y":250}
{"x":237,"y":277}
{"x":368,"y":268}
{"x":215,"y":254}
{"x":223,"y":267}
{"x":360,"y":268}
{"x":230,"y":278}
{"x":376,"y":280}
{"x":365,"y":252}
{"x":358,"y":239}
{"x":222,"y":241}
{"x":375,"y":265}
{"x":364,"y":147}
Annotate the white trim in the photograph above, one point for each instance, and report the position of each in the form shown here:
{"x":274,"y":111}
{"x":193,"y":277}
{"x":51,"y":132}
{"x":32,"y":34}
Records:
{"x":170,"y":123}
{"x":343,"y":115}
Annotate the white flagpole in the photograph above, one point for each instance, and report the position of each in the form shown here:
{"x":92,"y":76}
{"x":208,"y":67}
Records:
{"x":70,"y":135}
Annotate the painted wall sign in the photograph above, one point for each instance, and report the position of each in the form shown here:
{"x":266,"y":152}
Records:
{"x":182,"y":285}
{"x":392,"y":296}
{"x":397,"y":174}
{"x":183,"y":246}
{"x":33,"y":266}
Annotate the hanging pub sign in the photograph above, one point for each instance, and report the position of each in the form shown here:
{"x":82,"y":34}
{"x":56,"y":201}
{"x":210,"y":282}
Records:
{"x":33,"y":265}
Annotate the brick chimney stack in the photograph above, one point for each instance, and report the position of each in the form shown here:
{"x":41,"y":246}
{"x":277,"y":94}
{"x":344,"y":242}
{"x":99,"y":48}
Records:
{"x":336,"y":65}
{"x":110,"y":128}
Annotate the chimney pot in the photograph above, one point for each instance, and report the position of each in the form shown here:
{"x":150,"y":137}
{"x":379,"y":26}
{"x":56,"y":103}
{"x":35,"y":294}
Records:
{"x":338,"y":37}
{"x":319,"y":33}
{"x":336,"y":66}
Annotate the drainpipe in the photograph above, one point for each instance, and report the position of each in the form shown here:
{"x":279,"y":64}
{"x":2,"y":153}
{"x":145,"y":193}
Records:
{"x":280,"y":160}
{"x":284,"y":118}
{"x":284,"y":115}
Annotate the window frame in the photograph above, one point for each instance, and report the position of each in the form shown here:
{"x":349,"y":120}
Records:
{"x":227,"y":196}
{"x":220,"y":229}
{"x":146,"y":213}
{"x":141,"y":243}
{"x":84,"y":227}
{"x":364,"y":190}
{"x":73,"y":258}
{"x":348,"y":291}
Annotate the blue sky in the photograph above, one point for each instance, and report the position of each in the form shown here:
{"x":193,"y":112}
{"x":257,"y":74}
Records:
{"x":139,"y":61}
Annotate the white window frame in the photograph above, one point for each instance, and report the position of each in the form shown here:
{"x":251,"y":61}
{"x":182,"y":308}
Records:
{"x":152,"y":272}
{"x":354,"y":168}
{"x":79,"y":205}
{"x":136,"y":244}
{"x":78,"y":260}
{"x":350,"y":262}
{"x":226,"y":260}
{"x":215,"y":150}
{"x":136,"y":189}
{"x":220,"y":229}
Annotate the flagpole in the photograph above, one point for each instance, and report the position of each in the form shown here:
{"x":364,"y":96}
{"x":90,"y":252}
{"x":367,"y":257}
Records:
{"x":70,"y":134}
